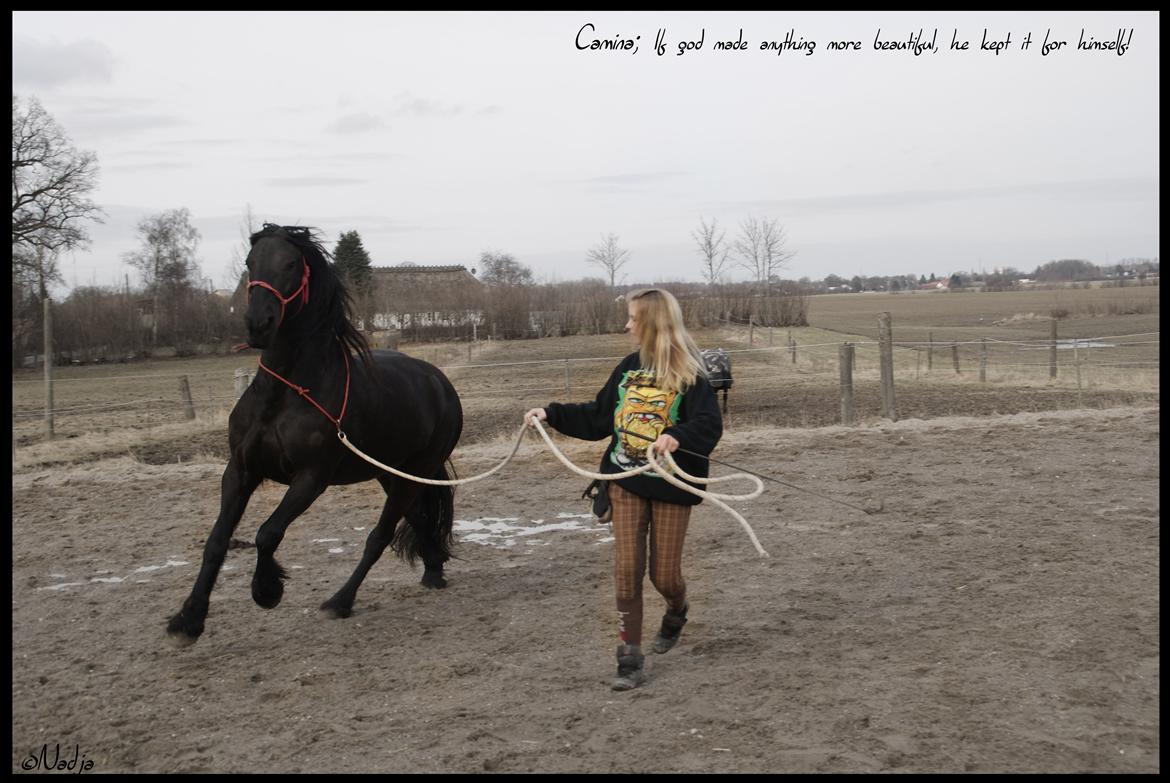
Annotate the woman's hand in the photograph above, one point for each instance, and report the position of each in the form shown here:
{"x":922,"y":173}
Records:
{"x":664,"y":444}
{"x":535,"y":413}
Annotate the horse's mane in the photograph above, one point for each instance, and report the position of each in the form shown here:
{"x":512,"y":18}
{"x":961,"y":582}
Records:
{"x":333,"y":311}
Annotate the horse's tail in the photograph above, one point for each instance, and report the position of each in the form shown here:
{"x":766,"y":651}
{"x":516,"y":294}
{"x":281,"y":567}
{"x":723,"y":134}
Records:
{"x":429,"y":528}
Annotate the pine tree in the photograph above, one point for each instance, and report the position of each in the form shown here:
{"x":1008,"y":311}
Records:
{"x":352,"y":263}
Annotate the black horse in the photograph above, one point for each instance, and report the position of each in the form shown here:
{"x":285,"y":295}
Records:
{"x":318,"y":376}
{"x":718,"y":365}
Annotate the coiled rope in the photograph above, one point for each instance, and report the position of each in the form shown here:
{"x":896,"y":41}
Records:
{"x":667,"y":472}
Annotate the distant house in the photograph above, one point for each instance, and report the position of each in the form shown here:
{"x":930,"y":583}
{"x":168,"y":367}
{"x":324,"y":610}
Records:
{"x":144,"y":308}
{"x":934,"y":285}
{"x":546,"y":322}
{"x":410,"y":295}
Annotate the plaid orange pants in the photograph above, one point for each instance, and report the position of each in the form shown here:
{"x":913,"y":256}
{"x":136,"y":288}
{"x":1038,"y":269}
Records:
{"x":636,"y":519}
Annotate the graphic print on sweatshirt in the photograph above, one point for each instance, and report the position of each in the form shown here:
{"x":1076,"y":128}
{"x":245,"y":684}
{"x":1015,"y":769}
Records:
{"x":643,"y":408}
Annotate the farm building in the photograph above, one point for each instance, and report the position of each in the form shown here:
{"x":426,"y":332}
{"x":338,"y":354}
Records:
{"x":409,"y":296}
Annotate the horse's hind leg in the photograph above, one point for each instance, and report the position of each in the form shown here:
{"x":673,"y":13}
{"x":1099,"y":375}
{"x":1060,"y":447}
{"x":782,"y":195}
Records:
{"x":431,"y":519}
{"x":268,"y":579}
{"x":400,"y":495}
{"x":236,"y":488}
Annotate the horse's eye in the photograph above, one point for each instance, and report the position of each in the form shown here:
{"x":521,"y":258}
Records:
{"x":290,"y":265}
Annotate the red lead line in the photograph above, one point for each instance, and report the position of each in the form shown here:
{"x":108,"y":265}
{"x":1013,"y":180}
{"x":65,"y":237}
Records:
{"x":305,"y":392}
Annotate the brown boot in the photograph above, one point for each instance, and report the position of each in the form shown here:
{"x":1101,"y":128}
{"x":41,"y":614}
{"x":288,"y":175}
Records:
{"x":630,"y":673}
{"x":672,"y":625}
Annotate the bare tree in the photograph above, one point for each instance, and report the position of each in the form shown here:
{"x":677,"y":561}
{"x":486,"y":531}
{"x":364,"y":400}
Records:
{"x":509,"y":288}
{"x":167,"y":261}
{"x":503,"y":269}
{"x":248,"y":227}
{"x":761,"y":250}
{"x":50,"y":180}
{"x":607,"y":255}
{"x":713,"y":248}
{"x":776,"y":255}
{"x":748,"y":247}
{"x":34,"y":268}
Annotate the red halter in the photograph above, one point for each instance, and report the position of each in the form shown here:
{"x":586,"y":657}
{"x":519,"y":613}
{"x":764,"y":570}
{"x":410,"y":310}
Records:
{"x":305,"y":392}
{"x":285,"y":300}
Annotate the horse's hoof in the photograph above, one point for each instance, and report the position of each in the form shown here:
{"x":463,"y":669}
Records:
{"x":435,"y":581}
{"x":268,"y":596}
{"x":179,"y":640}
{"x":336,"y":610}
{"x":181,"y":632}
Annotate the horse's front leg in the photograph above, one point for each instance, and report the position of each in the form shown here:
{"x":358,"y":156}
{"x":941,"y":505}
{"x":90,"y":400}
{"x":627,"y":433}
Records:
{"x":268,"y":580}
{"x":236,"y":488}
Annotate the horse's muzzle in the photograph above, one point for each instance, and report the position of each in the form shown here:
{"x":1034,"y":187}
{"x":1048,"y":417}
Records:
{"x":260,"y":331}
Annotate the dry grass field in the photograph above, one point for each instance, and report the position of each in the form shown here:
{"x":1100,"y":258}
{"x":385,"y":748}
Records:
{"x":130,"y":408}
{"x":999,"y":615}
{"x":958,"y":315}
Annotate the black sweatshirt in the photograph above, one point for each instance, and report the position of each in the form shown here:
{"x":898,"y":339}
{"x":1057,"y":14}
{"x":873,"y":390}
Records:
{"x":630,"y":399}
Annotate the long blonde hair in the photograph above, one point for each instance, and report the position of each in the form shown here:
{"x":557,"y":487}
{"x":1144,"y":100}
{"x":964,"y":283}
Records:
{"x":666,"y":348}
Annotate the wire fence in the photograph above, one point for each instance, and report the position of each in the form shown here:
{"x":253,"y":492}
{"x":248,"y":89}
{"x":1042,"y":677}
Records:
{"x":1127,"y":363}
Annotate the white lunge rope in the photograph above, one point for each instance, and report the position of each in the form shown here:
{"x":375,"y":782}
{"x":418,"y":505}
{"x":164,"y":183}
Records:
{"x":433,"y":482}
{"x":651,"y":465}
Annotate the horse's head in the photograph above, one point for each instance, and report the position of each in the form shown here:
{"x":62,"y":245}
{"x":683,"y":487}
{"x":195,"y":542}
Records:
{"x":278,"y":284}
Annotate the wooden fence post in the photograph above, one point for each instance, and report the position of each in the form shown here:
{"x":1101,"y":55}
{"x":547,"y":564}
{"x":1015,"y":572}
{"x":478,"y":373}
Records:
{"x":566,"y":377}
{"x":983,"y":361}
{"x":886,"y":347}
{"x":955,"y":357}
{"x":185,"y":396}
{"x":929,"y":351}
{"x":1077,"y":365}
{"x":240,"y":376}
{"x":917,"y":362}
{"x":1052,"y":352}
{"x":48,"y":369}
{"x":845,"y":367}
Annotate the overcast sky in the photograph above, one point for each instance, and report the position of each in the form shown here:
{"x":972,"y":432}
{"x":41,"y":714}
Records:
{"x":439,"y":135}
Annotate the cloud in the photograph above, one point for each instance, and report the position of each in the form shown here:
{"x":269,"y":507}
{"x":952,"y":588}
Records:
{"x":356,"y":123}
{"x":47,"y":65}
{"x":405,"y":104}
{"x":313,"y":182}
{"x":625,"y":182}
{"x":116,"y":116}
{"x":121,"y":124}
{"x":336,"y":157}
{"x":377,"y":224}
{"x":156,"y":166}
{"x":198,"y":142}
{"x":1101,"y":189}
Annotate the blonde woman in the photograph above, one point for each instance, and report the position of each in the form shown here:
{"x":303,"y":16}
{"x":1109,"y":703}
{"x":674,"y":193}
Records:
{"x":658,"y":395}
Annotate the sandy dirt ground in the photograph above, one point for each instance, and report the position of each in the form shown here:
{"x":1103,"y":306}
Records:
{"x":1000,"y":614}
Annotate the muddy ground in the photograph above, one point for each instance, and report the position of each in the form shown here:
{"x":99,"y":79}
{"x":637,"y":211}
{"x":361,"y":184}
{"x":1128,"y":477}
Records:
{"x":1000,"y":614}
